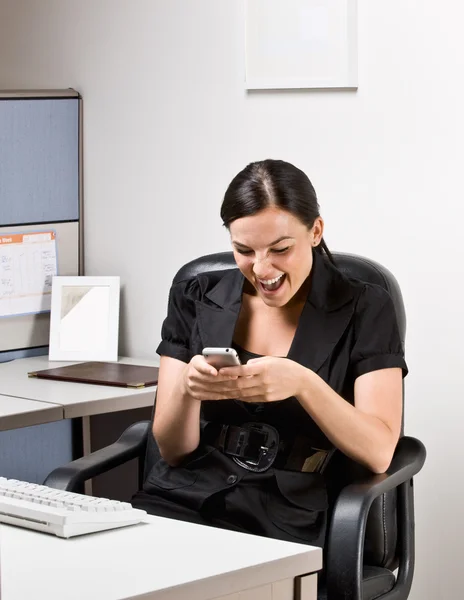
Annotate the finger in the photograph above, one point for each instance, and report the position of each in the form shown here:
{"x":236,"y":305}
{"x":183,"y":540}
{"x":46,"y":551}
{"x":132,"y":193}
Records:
{"x":250,"y":369}
{"x":206,"y":369}
{"x":255,"y":396}
{"x":213,"y":396}
{"x":232,"y":371}
{"x":248,"y":382}
{"x":252,"y":394}
{"x":256,"y":360}
{"x":211,"y":379}
{"x":199,"y":363}
{"x":242,"y":371}
{"x":253,"y":367}
{"x":216,"y":387}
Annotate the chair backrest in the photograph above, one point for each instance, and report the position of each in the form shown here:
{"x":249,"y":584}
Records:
{"x":381,"y":532}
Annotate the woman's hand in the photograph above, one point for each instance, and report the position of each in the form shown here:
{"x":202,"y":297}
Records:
{"x":266,"y":379}
{"x":201,"y":381}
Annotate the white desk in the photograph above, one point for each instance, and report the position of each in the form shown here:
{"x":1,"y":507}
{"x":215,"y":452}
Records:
{"x":70,"y":400}
{"x":77,"y":399}
{"x":161,"y":559}
{"x":18,"y":412}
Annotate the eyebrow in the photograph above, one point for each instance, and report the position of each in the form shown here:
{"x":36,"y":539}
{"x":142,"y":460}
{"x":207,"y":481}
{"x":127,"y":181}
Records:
{"x":281,"y":239}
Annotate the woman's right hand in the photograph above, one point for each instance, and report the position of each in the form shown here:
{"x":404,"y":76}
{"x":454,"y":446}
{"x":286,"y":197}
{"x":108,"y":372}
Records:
{"x":201,"y":381}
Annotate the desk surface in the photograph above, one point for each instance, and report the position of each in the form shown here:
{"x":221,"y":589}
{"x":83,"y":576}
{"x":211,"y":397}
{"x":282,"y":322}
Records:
{"x":18,"y":412}
{"x":77,"y":399}
{"x":161,"y":558}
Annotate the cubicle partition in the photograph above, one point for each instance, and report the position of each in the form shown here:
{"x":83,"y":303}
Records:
{"x":40,"y":192}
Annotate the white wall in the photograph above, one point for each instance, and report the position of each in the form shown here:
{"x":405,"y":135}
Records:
{"x":168,"y":124}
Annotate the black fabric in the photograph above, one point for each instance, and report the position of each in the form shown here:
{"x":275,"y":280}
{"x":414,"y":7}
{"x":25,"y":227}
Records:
{"x":204,"y":309}
{"x":245,"y":355}
{"x":351,"y":265}
{"x":347,"y":327}
{"x":210,"y":488}
{"x":377,"y":342}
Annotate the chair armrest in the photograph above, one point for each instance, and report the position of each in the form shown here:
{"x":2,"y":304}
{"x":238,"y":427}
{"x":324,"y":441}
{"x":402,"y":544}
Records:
{"x":345,"y":542}
{"x":130,"y":445}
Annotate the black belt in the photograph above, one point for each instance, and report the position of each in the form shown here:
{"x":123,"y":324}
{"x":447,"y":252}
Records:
{"x":258,"y":446}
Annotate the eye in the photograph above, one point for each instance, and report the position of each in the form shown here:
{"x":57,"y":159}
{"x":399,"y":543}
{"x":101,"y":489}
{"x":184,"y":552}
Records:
{"x":245,"y":252}
{"x":280,"y":250}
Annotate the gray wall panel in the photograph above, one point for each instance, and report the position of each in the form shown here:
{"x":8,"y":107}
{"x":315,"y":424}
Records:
{"x":29,"y":454}
{"x":39,"y":160}
{"x":39,"y":183}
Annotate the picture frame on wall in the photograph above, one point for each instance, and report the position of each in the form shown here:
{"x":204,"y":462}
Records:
{"x":301,"y":44}
{"x":84,"y":321}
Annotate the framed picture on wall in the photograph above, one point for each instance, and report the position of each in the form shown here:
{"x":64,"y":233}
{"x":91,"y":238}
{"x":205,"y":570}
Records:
{"x":301,"y":44}
{"x":84,"y":322}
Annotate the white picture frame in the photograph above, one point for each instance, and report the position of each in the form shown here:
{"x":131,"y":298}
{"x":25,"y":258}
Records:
{"x":84,"y":320}
{"x":301,"y":44}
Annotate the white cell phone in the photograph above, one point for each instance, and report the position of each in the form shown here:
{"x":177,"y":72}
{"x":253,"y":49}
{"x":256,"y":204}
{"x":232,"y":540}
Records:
{"x":221,"y":357}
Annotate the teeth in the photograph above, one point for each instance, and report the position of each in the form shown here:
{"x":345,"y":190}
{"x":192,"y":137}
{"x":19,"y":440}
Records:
{"x":270,"y":281}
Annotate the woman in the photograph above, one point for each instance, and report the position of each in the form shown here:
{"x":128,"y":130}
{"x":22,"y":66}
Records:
{"x":247,"y":447}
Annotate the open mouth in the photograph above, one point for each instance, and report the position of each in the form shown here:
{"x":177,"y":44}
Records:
{"x":272,"y":285}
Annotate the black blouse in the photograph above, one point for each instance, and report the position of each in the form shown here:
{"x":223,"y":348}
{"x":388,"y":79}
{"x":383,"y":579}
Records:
{"x":347,"y":328}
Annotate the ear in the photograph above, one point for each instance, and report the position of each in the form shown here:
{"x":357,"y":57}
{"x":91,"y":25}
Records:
{"x":317,"y":230}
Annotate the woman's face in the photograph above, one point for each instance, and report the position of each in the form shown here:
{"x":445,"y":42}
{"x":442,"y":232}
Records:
{"x":273,"y":250}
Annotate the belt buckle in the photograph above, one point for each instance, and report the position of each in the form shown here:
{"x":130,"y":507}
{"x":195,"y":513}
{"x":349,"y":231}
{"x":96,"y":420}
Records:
{"x":267,"y":452}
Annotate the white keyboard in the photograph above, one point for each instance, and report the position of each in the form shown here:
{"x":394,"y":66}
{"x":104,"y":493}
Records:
{"x":64,"y":514}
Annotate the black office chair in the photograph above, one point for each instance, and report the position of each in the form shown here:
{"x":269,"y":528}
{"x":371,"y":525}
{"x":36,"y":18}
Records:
{"x":371,"y":531}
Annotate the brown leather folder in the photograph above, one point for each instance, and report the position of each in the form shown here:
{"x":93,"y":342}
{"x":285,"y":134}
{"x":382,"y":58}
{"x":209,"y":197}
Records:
{"x":103,"y":373}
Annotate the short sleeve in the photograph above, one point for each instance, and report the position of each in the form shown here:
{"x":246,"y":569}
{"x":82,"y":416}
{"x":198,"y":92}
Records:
{"x":178,"y":324}
{"x":377,"y":343}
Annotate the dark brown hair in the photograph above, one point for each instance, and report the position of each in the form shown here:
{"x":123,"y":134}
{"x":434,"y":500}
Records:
{"x":272,"y":183}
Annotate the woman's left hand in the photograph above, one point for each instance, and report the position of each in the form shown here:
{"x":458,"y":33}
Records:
{"x":266,"y":379}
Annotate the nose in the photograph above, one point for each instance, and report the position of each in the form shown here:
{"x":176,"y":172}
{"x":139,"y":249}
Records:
{"x":261,"y":267}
